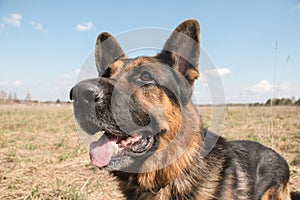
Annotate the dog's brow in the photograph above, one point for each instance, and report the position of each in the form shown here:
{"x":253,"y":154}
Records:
{"x":126,"y":61}
{"x":118,"y":66}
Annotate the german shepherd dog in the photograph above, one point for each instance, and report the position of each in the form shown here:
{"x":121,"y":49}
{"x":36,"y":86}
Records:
{"x":153,"y":140}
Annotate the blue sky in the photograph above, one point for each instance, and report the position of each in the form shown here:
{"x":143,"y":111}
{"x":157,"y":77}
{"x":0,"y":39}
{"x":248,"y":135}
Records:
{"x":254,"y":44}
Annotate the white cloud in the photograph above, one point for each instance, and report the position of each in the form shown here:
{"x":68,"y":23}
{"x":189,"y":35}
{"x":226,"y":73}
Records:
{"x":14,"y":19}
{"x":64,"y":84}
{"x":71,"y":75}
{"x":15,"y":83}
{"x":18,"y":83}
{"x":264,"y":90}
{"x":1,"y":25}
{"x":85,"y":27}
{"x":262,"y":86}
{"x":218,"y":72}
{"x":288,"y":89}
{"x":3,"y":83}
{"x":38,"y":26}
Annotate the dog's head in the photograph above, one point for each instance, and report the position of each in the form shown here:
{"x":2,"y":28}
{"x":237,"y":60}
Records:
{"x":138,"y":103}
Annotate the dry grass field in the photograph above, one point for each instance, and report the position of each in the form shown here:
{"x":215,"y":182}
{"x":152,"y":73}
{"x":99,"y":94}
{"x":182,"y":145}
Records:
{"x":41,"y":156}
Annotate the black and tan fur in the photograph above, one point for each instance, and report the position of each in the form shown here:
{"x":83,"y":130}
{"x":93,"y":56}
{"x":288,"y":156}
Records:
{"x":231,"y":170}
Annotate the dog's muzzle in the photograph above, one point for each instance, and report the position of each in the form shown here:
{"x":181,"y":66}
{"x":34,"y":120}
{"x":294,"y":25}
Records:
{"x":91,"y":90}
{"x":91,"y":102}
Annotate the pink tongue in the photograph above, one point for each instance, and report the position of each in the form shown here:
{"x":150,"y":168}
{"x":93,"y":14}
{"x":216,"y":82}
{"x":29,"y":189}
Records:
{"x":101,"y":151}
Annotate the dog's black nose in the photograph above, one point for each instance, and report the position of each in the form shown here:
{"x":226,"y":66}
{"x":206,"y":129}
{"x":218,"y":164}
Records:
{"x":91,"y":94}
{"x":92,"y":90}
{"x":71,"y":94}
{"x":86,"y":91}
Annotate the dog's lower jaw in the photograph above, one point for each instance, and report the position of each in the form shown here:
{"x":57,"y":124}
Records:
{"x":178,"y":180}
{"x":174,"y":175}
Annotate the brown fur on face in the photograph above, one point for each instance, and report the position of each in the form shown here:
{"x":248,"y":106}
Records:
{"x":172,"y":141}
{"x":116,"y":67}
{"x":187,"y":161}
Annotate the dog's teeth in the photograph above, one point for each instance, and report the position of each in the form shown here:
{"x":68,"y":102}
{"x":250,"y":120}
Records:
{"x":115,"y":148}
{"x":124,"y":142}
{"x":130,"y":140}
{"x":134,"y":138}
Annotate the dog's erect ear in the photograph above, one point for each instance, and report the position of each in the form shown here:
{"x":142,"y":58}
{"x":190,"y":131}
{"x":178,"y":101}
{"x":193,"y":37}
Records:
{"x":182,"y":49}
{"x":107,"y":50}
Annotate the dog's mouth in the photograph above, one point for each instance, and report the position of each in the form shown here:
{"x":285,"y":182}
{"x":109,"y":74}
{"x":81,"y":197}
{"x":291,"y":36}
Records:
{"x":112,"y":145}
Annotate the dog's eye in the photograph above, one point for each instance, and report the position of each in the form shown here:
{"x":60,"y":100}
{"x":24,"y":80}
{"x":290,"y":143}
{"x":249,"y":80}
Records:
{"x":146,"y":76}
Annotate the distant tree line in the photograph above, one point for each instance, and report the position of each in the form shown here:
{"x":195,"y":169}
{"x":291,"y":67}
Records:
{"x":9,"y":97}
{"x":279,"y":102}
{"x":4,"y":96}
{"x":13,"y":96}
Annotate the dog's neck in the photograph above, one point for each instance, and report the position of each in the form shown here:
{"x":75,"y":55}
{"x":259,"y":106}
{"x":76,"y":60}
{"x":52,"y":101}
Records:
{"x":169,"y":180}
{"x":179,"y":178}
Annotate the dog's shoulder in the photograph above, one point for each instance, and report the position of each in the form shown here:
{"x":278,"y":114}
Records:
{"x":255,"y":154}
{"x":257,"y":165}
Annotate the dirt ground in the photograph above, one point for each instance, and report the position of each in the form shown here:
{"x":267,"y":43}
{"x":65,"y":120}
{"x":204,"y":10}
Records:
{"x":41,"y":156}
